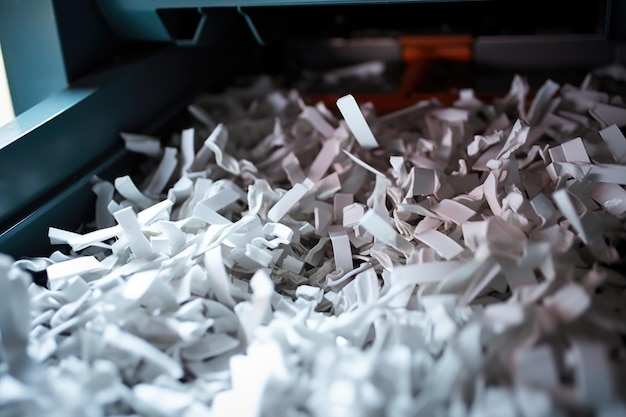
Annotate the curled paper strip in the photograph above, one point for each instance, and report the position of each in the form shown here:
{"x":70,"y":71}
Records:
{"x":279,"y":259}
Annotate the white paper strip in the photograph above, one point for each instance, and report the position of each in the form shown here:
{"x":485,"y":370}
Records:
{"x":77,"y":266}
{"x":608,"y":115}
{"x":154,"y":212}
{"x":293,"y":264}
{"x":258,"y":255}
{"x":341,"y":248}
{"x":574,"y":151}
{"x":424,"y":181}
{"x":611,"y":196}
{"x":570,"y":301}
{"x":364,"y":165}
{"x":317,"y":121}
{"x":216,"y":142}
{"x":328,"y":186}
{"x":163,"y":173}
{"x":139,"y":244}
{"x":592,"y":372}
{"x":544,"y":209}
{"x":453,"y":211}
{"x":15,"y":311}
{"x":609,"y":173}
{"x":378,"y":227}
{"x":323,"y":160}
{"x":127,"y":188}
{"x":341,"y":200}
{"x":322,"y":216}
{"x":58,"y":237}
{"x":290,"y":199}
{"x":187,"y":150}
{"x":218,"y":276}
{"x":291,"y":166}
{"x":420,"y":273}
{"x":104,"y":191}
{"x":208,"y":215}
{"x":143,"y":144}
{"x":154,"y":400}
{"x":444,"y":245}
{"x":220,"y":200}
{"x":139,"y":347}
{"x":353,"y":116}
{"x":616,"y":142}
{"x":541,"y":102}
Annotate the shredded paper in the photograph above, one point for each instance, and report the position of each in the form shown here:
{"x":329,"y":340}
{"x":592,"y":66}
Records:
{"x":282,"y":258}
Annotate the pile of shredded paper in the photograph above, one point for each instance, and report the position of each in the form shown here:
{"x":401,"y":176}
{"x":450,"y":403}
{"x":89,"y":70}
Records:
{"x":281,"y":258}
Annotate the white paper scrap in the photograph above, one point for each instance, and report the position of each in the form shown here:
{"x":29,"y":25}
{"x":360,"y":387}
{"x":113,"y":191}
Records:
{"x":163,"y":173}
{"x":104,"y":191}
{"x":143,"y":144}
{"x":536,"y":367}
{"x":77,"y":266}
{"x":420,"y":273}
{"x":14,"y":321}
{"x":444,"y":245}
{"x":544,"y":209}
{"x":258,"y":310}
{"x":317,"y":121}
{"x":156,"y":400}
{"x":216,"y":142}
{"x":323,"y":216}
{"x":187,"y":149}
{"x":222,"y":199}
{"x":609,"y":173}
{"x":517,"y":137}
{"x":291,"y":166}
{"x":139,"y":347}
{"x":383,"y":231}
{"x":541,"y":102}
{"x":127,"y":188}
{"x":290,"y":199}
{"x":58,"y":237}
{"x":353,"y":116}
{"x":202,"y":211}
{"x":592,"y":371}
{"x":574,"y":151}
{"x":364,"y":165}
{"x":424,"y":181}
{"x":341,"y":248}
{"x":138,"y":242}
{"x":209,"y":346}
{"x":608,"y":114}
{"x":352,"y":214}
{"x":293,"y":264}
{"x":570,"y":301}
{"x":453,"y":211}
{"x":612,"y":197}
{"x":340,"y":201}
{"x":323,"y":160}
{"x":503,"y":315}
{"x":218,"y":276}
{"x":258,"y":255}
{"x":490,"y":188}
{"x":615,"y":141}
{"x":154,"y":212}
{"x":328,"y":186}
